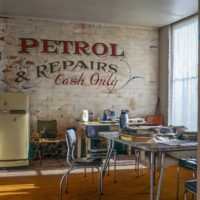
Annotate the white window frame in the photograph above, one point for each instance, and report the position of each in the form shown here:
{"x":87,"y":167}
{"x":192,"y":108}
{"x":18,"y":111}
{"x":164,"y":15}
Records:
{"x":172,"y":81}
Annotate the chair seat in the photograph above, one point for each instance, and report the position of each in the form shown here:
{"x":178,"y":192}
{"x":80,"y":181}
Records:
{"x":98,"y":150}
{"x":88,"y":162}
{"x":100,"y":153}
{"x":189,"y":163}
{"x":191,"y":185}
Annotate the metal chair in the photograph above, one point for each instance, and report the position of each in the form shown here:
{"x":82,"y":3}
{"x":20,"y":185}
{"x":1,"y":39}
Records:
{"x":189,"y":163}
{"x":84,"y":163}
{"x":190,"y":186}
{"x":98,"y":151}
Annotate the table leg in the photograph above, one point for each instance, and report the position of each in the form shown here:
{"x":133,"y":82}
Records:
{"x":108,"y":155}
{"x":162,"y":166}
{"x":79,"y":138}
{"x":152,"y":177}
{"x":87,"y":146}
{"x":129,"y":150}
{"x":39,"y":152}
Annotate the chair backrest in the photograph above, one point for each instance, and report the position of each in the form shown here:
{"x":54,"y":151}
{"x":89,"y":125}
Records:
{"x":92,"y":131}
{"x":47,"y":128}
{"x":154,"y":120}
{"x":71,"y":144}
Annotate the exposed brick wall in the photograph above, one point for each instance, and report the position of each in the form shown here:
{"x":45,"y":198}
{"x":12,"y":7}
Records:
{"x":65,"y":102}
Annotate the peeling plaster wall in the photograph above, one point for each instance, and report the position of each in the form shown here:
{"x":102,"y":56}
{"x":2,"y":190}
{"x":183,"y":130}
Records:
{"x":65,"y":102}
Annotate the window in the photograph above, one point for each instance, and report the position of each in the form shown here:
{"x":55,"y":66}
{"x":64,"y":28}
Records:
{"x":183,"y":94}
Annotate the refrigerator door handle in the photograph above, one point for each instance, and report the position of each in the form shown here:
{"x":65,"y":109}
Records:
{"x":4,"y":111}
{"x":17,"y":111}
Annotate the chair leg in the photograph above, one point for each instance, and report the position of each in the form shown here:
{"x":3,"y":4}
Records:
{"x":108,"y":168}
{"x":136,"y":159}
{"x":115,"y":175}
{"x":64,"y":177}
{"x":66,"y":180}
{"x":193,"y":176}
{"x":177,"y":177}
{"x":61,"y":183}
{"x":137,"y":162}
{"x":100,"y":182}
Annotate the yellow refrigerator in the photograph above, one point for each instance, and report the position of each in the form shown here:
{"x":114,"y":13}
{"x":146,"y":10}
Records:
{"x":14,"y":129}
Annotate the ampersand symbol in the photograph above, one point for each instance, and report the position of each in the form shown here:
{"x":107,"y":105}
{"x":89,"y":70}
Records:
{"x":21,"y":77}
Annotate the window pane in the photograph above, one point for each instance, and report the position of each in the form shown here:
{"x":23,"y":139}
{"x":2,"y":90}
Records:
{"x":184,"y":74}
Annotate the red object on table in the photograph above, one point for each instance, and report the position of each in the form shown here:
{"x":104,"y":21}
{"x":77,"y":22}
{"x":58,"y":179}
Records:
{"x":154,"y":120}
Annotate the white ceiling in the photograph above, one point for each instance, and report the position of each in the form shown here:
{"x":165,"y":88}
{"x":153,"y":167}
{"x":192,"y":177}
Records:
{"x":152,"y":13}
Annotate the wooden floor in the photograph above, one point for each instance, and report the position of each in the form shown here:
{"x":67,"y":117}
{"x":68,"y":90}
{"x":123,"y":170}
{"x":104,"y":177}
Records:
{"x":58,"y":166}
{"x":40,"y":186}
{"x":41,"y":182}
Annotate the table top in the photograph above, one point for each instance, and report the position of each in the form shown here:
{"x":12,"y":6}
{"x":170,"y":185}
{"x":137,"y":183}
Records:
{"x":47,"y":140}
{"x":103,"y":123}
{"x":98,"y":123}
{"x":154,"y":146}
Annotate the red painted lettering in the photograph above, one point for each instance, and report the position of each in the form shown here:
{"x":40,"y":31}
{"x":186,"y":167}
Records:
{"x":70,"y":47}
{"x":97,"y":46}
{"x":114,"y":50}
{"x":60,"y":79}
{"x":94,"y":79}
{"x":66,"y":46}
{"x":27,"y":43}
{"x":81,"y":47}
{"x":109,"y":81}
{"x":49,"y":46}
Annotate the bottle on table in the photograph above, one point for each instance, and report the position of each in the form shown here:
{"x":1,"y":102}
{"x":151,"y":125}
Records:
{"x":104,"y":117}
{"x":123,"y":120}
{"x":113,"y":114}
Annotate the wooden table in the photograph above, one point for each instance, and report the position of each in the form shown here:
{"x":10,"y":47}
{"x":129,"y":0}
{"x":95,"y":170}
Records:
{"x":42,"y":141}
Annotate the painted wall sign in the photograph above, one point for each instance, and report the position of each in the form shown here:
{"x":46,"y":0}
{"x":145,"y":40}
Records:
{"x":61,"y":73}
{"x":101,"y":73}
{"x":69,"y":47}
